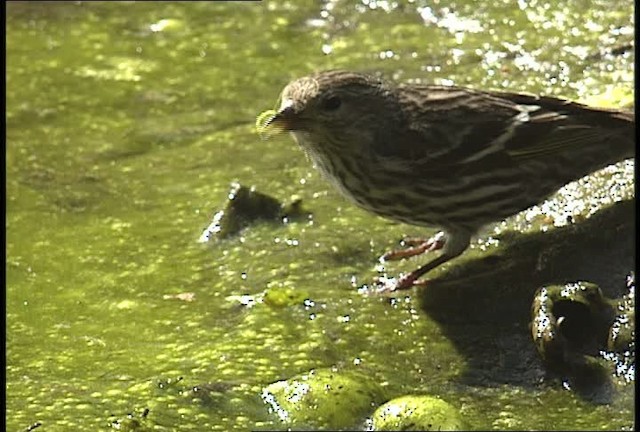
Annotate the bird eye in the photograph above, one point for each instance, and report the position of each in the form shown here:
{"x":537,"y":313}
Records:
{"x":332,"y":103}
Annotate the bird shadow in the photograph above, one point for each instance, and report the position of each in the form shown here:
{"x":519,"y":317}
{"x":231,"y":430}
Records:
{"x":484,"y":305}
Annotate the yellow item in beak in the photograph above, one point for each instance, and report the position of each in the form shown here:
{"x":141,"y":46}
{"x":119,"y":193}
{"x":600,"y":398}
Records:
{"x":266,"y":126}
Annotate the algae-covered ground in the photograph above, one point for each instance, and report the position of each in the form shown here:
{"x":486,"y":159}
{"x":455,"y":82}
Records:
{"x":127,"y":123}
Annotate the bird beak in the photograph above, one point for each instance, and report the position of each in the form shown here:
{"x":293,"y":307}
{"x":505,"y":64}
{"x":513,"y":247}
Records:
{"x":284,"y":120}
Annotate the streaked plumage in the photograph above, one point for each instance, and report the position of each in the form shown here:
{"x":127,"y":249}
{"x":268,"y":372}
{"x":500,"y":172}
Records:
{"x":450,"y":157}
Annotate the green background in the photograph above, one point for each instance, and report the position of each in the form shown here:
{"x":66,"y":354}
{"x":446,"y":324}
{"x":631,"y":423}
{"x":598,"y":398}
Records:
{"x":126,"y":124}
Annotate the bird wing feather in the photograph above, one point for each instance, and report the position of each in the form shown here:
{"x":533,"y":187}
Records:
{"x":454,"y":124}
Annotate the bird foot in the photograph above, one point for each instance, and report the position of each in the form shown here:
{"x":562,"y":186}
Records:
{"x":385,"y":285}
{"x":415,"y":246}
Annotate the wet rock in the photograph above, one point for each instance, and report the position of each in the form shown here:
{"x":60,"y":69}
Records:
{"x":484,"y":305}
{"x":244,"y":207}
{"x":579,"y":333}
{"x":570,"y":321}
{"x":324,"y":398}
{"x":622,"y":332}
{"x":622,"y":335}
{"x":417,"y":413}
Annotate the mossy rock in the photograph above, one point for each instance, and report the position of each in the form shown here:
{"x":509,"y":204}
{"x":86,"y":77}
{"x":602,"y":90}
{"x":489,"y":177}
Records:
{"x":285,"y":296}
{"x":324,"y":398}
{"x":417,"y":413}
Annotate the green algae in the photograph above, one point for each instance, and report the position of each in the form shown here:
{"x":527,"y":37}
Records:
{"x":126,"y":122}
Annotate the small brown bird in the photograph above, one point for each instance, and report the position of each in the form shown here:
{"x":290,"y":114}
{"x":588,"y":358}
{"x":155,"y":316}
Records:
{"x":450,"y":157}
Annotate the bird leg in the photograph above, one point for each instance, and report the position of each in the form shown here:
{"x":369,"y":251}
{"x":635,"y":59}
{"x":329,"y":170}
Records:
{"x":410,"y":280}
{"x":415,"y":246}
{"x":452,"y":243}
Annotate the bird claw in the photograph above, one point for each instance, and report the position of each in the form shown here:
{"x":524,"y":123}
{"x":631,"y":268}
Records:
{"x":386,"y":285}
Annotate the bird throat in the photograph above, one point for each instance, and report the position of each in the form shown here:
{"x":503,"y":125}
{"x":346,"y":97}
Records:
{"x":331,"y":165}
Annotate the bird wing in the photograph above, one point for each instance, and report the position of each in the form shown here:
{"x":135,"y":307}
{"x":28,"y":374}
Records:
{"x":450,"y":125}
{"x":549,"y":126}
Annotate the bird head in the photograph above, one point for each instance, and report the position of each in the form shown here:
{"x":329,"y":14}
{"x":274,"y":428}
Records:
{"x":328,"y":104}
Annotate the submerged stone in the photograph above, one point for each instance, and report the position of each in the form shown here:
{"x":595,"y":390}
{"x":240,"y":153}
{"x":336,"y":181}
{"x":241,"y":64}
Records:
{"x":324,"y":398}
{"x":417,"y":413}
{"x":245,"y":206}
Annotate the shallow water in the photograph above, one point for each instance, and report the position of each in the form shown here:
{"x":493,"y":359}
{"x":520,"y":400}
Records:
{"x":127,"y":123}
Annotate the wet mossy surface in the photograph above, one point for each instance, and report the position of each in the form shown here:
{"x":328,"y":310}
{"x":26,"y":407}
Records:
{"x":128,"y":121}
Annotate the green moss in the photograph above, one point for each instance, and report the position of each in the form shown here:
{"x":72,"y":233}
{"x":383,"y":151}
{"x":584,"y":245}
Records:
{"x":325,"y":398}
{"x":284,"y":296}
{"x":417,"y":413}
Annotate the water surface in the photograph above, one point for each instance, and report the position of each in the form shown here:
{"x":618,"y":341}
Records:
{"x":126,"y":124}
